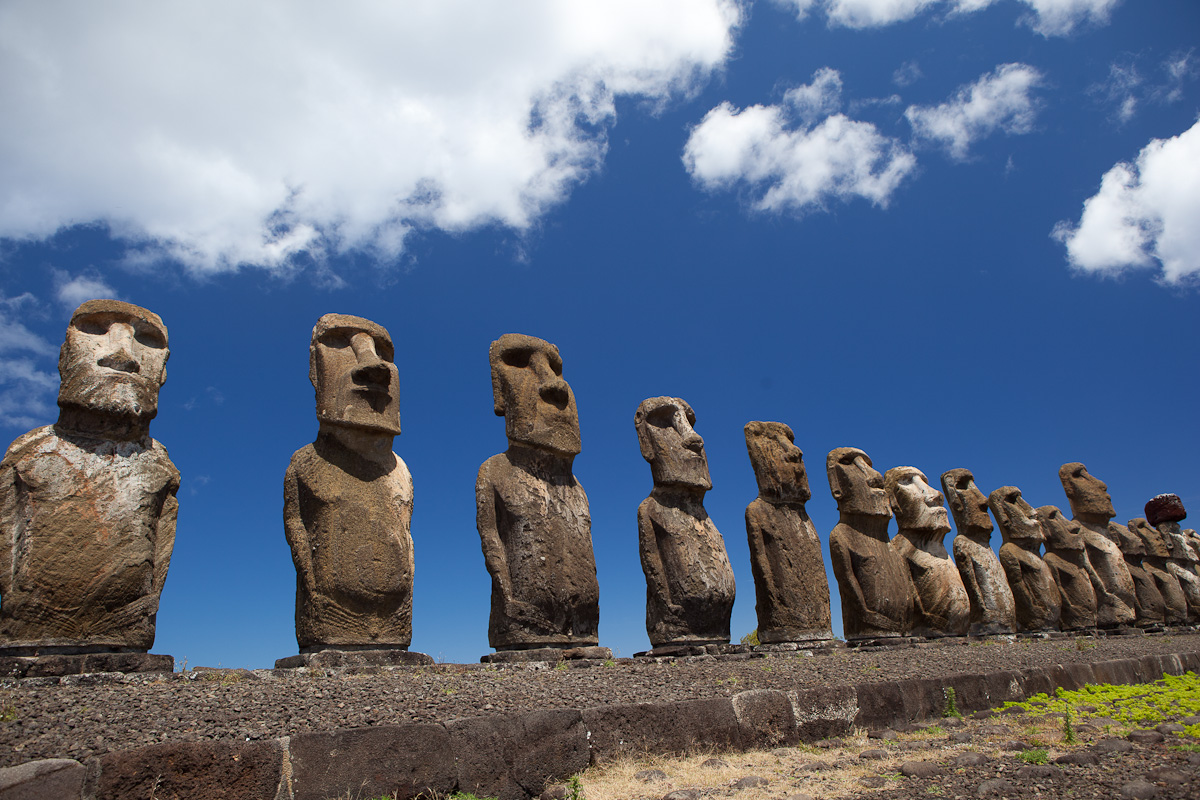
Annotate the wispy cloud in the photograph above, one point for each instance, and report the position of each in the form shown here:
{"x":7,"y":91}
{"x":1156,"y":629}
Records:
{"x":789,"y":162}
{"x":1144,"y":215}
{"x":1000,"y":100}
{"x":1047,"y":17}
{"x":27,"y":386}
{"x":225,"y":133}
{"x":1127,"y":85}
{"x":71,"y":291}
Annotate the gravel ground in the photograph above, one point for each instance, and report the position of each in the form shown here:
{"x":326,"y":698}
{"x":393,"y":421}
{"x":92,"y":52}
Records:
{"x":84,"y":716}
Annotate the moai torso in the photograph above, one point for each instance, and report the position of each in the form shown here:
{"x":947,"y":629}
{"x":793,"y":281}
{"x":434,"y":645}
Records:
{"x":943,"y":608}
{"x":1091,"y":506}
{"x":1067,"y":560}
{"x":790,"y":588}
{"x":689,"y":581}
{"x":878,"y":598}
{"x":993,"y":610}
{"x":1038,"y":603}
{"x":87,"y":505}
{"x":1149,"y":603}
{"x":1155,"y":563}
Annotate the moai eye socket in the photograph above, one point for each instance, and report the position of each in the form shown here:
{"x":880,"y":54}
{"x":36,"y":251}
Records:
{"x":517,"y":357}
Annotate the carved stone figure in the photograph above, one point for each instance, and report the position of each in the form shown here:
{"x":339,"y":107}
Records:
{"x":791,"y":591}
{"x":943,"y":608}
{"x":1151,"y":609}
{"x":1067,"y":559}
{"x":1165,"y":512}
{"x":1039,"y":604}
{"x":1091,"y":506}
{"x":878,"y":598}
{"x":348,"y":499}
{"x":689,"y":582}
{"x":533,"y":518}
{"x":87,"y":505}
{"x":1155,"y":563}
{"x":993,"y":610}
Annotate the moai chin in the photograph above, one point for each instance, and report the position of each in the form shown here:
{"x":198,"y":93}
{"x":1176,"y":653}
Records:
{"x":878,"y":598}
{"x":993,"y":610}
{"x":532,"y":514}
{"x":1091,"y":506}
{"x":348,"y":499}
{"x":791,"y":591}
{"x":1165,"y":512}
{"x":1066,"y":557}
{"x":1039,"y":604}
{"x":1155,"y":562}
{"x":87,"y":505}
{"x":943,"y":608}
{"x":689,"y":582}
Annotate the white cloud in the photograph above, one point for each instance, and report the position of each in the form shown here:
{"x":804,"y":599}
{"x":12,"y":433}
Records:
{"x":1047,"y":17}
{"x":796,"y":167}
{"x":1144,"y":213}
{"x":27,"y":389}
{"x":999,"y":100}
{"x":225,"y":132}
{"x":73,"y":291}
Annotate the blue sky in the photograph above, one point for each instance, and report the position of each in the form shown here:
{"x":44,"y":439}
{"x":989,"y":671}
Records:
{"x":953,"y":233}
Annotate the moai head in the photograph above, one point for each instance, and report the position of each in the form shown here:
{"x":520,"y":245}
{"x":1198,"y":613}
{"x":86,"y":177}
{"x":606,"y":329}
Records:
{"x":778,"y":463}
{"x":1165,"y":508}
{"x":1017,"y":520}
{"x":1087,"y":494}
{"x":1061,"y":532}
{"x":350,"y":366}
{"x":113,"y":362}
{"x":856,"y":486}
{"x":967,"y":503}
{"x":528,"y":389}
{"x":1156,"y":545}
{"x":916,"y":505}
{"x":674,"y":450}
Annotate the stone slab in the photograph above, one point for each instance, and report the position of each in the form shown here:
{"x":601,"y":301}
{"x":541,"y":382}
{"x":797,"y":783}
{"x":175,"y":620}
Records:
{"x":514,"y":756}
{"x":681,"y":727}
{"x":58,"y":778}
{"x":191,"y":771}
{"x":682,"y":650}
{"x":547,"y":654}
{"x":355,"y":658}
{"x":57,"y":665}
{"x":397,"y":761}
{"x":765,"y":718}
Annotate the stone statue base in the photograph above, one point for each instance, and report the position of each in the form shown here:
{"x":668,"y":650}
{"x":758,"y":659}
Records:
{"x":806,"y":644}
{"x":58,"y":664}
{"x":547,"y":654}
{"x":356,"y":657}
{"x":882,"y":642}
{"x":679,"y":650}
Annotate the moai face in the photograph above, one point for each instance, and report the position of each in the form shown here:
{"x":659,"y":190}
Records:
{"x":916,"y":505}
{"x":538,"y":406}
{"x":1061,"y":533}
{"x":778,"y":463}
{"x":114,"y":360}
{"x":967,"y":503}
{"x":1017,"y":519}
{"x":1165,"y":508}
{"x":1156,"y":545}
{"x":674,"y":450}
{"x":350,"y":366}
{"x":1087,"y":494}
{"x":856,"y":486}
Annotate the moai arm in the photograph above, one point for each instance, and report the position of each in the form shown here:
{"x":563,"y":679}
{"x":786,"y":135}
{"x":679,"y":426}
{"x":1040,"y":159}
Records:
{"x":756,"y":535}
{"x":8,"y":524}
{"x":489,"y":533}
{"x":297,"y":534}
{"x":164,"y":539}
{"x":842,"y":559}
{"x":656,"y":575}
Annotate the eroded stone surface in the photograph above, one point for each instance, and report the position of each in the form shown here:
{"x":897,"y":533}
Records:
{"x":1155,"y":563}
{"x":993,"y":610}
{"x":1066,"y":557}
{"x":943,"y":608}
{"x":1038,"y":602}
{"x":790,"y":588}
{"x":878,"y":598}
{"x":534,"y":523}
{"x":1091,"y":506}
{"x":689,"y":581}
{"x":1184,"y":563}
{"x":348,"y":499}
{"x":87,"y":505}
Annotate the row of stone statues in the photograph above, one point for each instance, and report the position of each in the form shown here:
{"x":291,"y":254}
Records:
{"x":88,"y":510}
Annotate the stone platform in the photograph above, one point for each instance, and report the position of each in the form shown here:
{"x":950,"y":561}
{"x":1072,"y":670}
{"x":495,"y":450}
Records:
{"x":54,"y":665}
{"x":547,"y":654}
{"x":392,"y":657}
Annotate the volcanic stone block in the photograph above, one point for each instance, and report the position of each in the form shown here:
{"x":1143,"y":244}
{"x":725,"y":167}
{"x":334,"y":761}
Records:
{"x":400,"y":761}
{"x":993,"y":610}
{"x":943,"y":608}
{"x":1067,"y":559}
{"x":689,"y":581}
{"x":59,"y":664}
{"x":512,"y":757}
{"x":57,"y":778}
{"x":87,"y":505}
{"x":765,"y":719}
{"x":824,"y":711}
{"x":878,"y":598}
{"x":680,"y":727}
{"x":532,"y":514}
{"x":1091,"y":506}
{"x":1039,"y":604}
{"x":790,"y":588}
{"x":187,"y":770}
{"x":348,"y":499}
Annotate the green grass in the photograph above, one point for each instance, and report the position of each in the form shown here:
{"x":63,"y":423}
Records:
{"x":1136,"y":705}
{"x":1038,"y":755}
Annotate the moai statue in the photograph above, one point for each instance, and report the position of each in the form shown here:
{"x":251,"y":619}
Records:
{"x":878,"y":598}
{"x":1156,"y":564}
{"x":993,"y":610}
{"x":87,"y":505}
{"x":1165,"y":512}
{"x":943,"y":608}
{"x":1039,"y":604}
{"x":791,"y":591}
{"x":1150,"y":607}
{"x":532,"y":514}
{"x":1091,"y":506}
{"x":1067,"y":560}
{"x":348,"y":499}
{"x":689,"y":582}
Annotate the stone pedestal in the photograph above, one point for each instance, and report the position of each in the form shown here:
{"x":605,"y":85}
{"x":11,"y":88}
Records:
{"x":547,"y":654}
{"x":51,"y":665}
{"x":356,"y":657}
